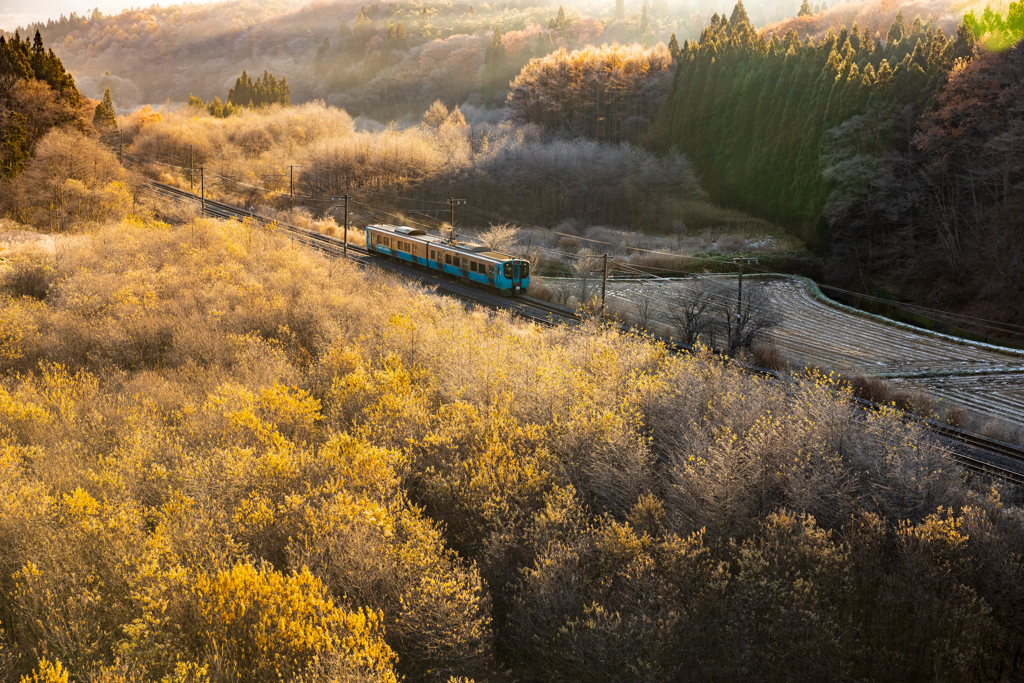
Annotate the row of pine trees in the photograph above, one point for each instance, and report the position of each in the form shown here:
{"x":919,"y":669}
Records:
{"x":753,"y":111}
{"x":265,"y":91}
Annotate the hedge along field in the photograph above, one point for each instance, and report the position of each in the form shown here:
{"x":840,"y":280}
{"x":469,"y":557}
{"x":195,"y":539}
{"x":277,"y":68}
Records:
{"x":225,"y":458}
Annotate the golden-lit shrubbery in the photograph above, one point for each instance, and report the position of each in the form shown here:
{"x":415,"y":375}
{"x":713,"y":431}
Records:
{"x":71,"y":179}
{"x":225,"y":458}
{"x":502,"y":168}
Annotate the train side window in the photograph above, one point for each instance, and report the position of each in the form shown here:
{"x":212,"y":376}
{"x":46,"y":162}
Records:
{"x":472,"y":266}
{"x":508,"y":270}
{"x":433,"y":255}
{"x":448,"y":259}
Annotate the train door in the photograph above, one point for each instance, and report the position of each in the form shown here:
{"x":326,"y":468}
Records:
{"x":515,"y":276}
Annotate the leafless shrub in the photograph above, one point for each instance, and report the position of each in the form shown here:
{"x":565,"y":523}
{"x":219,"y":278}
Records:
{"x":569,"y":244}
{"x":756,"y":317}
{"x":643,"y":309}
{"x":540,"y":289}
{"x":770,"y":357}
{"x":886,"y":393}
{"x":28,"y":277}
{"x":1000,"y":430}
{"x":71,"y":179}
{"x":955,"y":417}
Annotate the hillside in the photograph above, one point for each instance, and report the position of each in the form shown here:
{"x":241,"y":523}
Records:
{"x":224,"y":457}
{"x":384,"y":60}
{"x":203,"y":418}
{"x":895,"y":155}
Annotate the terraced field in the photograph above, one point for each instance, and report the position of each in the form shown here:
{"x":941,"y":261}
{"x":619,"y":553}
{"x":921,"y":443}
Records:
{"x":983,"y":379}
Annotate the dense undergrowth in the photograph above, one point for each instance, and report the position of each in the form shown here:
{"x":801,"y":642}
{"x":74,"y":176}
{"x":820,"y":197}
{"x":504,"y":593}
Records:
{"x":224,"y":458}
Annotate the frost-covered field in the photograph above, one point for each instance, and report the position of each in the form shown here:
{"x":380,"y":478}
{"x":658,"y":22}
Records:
{"x":980,"y":378}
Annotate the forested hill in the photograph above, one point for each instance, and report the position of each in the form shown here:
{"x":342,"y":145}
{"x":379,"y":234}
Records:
{"x":753,"y":111}
{"x":36,"y":94}
{"x":384,"y":60}
{"x":380,"y":59}
{"x":897,"y":155}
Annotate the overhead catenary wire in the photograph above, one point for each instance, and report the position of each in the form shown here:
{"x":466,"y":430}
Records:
{"x":376,"y":211}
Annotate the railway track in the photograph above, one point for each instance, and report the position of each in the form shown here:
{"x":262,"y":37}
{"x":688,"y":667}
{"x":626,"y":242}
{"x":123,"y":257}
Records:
{"x":550,"y":315}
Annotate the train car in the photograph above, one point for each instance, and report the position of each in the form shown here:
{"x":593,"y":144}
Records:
{"x":472,"y":263}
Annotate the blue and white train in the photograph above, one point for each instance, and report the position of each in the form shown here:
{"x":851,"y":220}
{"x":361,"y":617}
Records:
{"x":473,"y":263}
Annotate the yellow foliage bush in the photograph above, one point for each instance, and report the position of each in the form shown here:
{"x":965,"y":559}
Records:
{"x":47,"y":673}
{"x":261,"y":625}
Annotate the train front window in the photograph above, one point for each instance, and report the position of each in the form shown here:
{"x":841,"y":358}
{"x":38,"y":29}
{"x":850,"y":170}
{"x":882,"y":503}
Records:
{"x":524,"y":270}
{"x":508,"y":270}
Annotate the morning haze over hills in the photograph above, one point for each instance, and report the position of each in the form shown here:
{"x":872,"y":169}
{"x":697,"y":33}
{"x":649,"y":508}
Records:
{"x":227,"y":456}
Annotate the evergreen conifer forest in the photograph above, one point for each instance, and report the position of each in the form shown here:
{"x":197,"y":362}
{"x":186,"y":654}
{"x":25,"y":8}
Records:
{"x":226,"y":457}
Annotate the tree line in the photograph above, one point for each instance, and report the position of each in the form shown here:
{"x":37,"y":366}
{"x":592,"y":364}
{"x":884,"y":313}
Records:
{"x":36,"y":94}
{"x":266,"y":91}
{"x":608,"y":93}
{"x":933,"y":205}
{"x":753,"y":111}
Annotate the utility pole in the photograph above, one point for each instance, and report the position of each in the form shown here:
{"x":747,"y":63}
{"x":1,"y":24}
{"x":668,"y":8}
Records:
{"x":344,"y":248}
{"x":452,"y":201}
{"x":291,"y":179}
{"x":202,"y":188}
{"x":191,"y":168}
{"x":120,"y":145}
{"x":604,"y":284}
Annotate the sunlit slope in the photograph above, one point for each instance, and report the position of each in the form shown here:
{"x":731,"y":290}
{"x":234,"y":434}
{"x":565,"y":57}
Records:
{"x":385,"y":60}
{"x":225,"y":458}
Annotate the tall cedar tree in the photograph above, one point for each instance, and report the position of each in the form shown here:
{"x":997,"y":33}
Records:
{"x":105,"y":116}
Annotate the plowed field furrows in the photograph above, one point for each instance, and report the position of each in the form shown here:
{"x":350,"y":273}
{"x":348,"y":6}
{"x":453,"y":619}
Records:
{"x":981,"y":379}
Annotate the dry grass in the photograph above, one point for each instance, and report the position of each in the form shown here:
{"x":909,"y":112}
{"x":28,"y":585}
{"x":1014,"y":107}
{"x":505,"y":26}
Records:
{"x":886,"y":394}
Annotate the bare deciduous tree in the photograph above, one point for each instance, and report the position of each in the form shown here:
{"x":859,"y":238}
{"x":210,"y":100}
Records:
{"x":500,"y":238}
{"x":757,"y":316}
{"x":692,"y":311}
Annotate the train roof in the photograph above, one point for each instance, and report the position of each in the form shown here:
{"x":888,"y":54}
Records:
{"x":468,"y":247}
